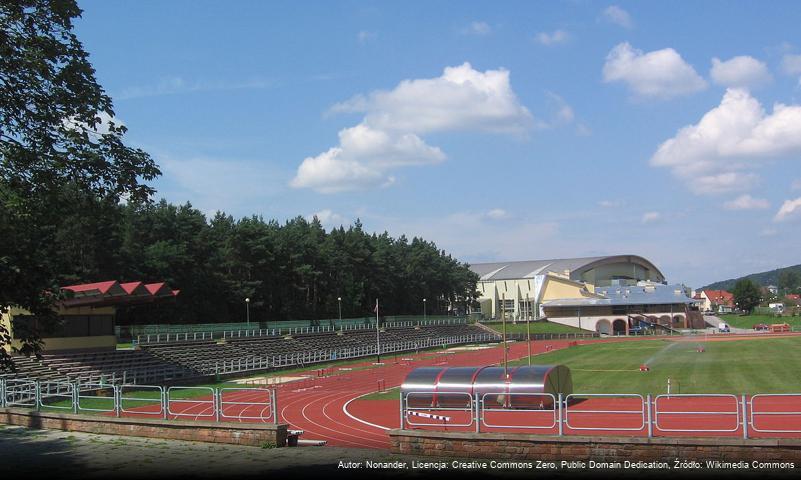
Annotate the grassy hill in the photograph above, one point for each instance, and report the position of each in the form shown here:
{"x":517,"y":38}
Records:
{"x":763,"y":279}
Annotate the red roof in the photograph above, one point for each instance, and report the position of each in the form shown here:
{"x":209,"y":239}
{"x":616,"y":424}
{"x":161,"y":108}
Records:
{"x":793,"y":296}
{"x":113,"y":293}
{"x":100,"y":287}
{"x":720,"y":297}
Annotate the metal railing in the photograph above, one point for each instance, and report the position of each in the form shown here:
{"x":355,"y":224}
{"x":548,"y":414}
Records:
{"x":766,"y":415}
{"x":176,"y":402}
{"x":192,"y":335}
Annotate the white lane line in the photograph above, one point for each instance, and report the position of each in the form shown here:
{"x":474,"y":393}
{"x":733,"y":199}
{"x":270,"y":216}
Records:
{"x":346,"y":412}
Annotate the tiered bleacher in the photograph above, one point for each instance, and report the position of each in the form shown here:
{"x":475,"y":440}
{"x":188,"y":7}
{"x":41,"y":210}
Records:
{"x":162,"y":362}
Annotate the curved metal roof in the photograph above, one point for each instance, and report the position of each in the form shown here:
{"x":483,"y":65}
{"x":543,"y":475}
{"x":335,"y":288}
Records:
{"x":531,"y":268}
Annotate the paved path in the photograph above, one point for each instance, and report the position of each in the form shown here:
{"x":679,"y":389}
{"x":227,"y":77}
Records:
{"x":715,"y":321}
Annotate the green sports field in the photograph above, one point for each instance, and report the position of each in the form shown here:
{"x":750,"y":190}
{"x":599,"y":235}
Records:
{"x":769,"y":365}
{"x":748,"y":321}
{"x":536,"y":327}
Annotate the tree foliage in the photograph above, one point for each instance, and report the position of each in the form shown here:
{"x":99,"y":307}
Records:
{"x":294,"y":270}
{"x":57,"y":139}
{"x":746,"y":295}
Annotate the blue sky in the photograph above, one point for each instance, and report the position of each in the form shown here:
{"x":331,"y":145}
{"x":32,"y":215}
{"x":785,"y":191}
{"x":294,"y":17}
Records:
{"x":511,"y":131}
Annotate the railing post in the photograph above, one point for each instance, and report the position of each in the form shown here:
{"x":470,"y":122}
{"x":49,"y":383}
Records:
{"x":478,"y":413}
{"x":275,"y":406}
{"x":649,"y":417}
{"x":117,"y":400}
{"x":75,"y":393}
{"x":745,"y":417}
{"x":164,"y":403}
{"x":559,"y":415}
{"x":217,"y":403}
{"x":402,"y":411}
{"x":37,"y":394}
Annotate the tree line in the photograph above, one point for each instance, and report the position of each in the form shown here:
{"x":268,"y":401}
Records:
{"x":290,"y":270}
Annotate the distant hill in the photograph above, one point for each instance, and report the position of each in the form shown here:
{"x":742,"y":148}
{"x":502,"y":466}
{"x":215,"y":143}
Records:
{"x":762,"y":279}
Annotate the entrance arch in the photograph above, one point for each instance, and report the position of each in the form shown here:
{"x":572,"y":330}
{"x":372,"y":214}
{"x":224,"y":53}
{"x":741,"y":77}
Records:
{"x":603,"y":326}
{"x":619,"y":327}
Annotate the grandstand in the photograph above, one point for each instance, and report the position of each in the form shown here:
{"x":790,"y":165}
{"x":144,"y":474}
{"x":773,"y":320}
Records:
{"x":163,"y":362}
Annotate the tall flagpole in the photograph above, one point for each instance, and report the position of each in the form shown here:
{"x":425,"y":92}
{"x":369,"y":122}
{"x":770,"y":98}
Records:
{"x":377,"y":335}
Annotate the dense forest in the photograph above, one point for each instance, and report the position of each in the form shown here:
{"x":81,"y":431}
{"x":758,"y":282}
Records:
{"x":294,"y":270}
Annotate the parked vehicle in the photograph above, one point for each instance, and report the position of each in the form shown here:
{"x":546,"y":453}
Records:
{"x":723,"y":328}
{"x":761,"y":327}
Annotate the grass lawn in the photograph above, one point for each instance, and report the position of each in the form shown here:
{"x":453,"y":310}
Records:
{"x":767,"y":365}
{"x":536,"y":327}
{"x":748,"y":321}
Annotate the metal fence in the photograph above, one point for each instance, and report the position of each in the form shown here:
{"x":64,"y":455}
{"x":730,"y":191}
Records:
{"x":761,"y":415}
{"x":301,"y":359}
{"x":217,"y":334}
{"x":246,"y":404}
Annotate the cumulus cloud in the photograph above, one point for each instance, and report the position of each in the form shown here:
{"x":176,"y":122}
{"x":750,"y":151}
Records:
{"x":461,"y":99}
{"x":651,"y":217}
{"x":740,"y":72}
{"x":327,"y":217}
{"x":720,"y":153}
{"x":618,"y":16}
{"x":790,"y":209}
{"x":477,"y":28}
{"x":746,"y":202}
{"x":659,"y":74}
{"x":553,"y":38}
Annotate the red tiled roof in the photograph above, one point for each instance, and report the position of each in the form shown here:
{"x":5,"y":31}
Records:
{"x":113,"y":293}
{"x":721,"y":297}
{"x":101,"y":287}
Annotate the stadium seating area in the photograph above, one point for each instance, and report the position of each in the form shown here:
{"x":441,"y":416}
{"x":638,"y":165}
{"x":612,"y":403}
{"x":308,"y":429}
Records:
{"x":159,"y":363}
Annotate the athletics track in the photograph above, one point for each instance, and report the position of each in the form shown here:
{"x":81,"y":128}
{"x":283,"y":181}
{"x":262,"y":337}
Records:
{"x":328,"y":407}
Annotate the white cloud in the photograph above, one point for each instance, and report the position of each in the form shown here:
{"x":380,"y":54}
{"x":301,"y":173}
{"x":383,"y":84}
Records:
{"x":723,"y":183}
{"x":722,"y":150}
{"x":740,"y":72}
{"x":651,"y":217}
{"x":746,"y":202}
{"x":104,"y":120}
{"x":554,"y":38}
{"x":462,"y":99}
{"x":618,"y":16}
{"x":611,"y":203}
{"x":791,"y":64}
{"x":327,"y":217}
{"x":497,"y":214}
{"x":477,"y":28}
{"x":659,"y":74}
{"x":790,"y":209}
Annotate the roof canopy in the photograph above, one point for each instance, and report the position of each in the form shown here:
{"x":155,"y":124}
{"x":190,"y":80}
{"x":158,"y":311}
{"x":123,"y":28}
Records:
{"x":101,"y":294}
{"x":647,"y":294}
{"x":574,"y":267}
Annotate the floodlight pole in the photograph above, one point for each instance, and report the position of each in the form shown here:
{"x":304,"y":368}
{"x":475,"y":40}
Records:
{"x":377,"y":334}
{"x":339,"y":302}
{"x":425,"y":318}
{"x":247,"y":309}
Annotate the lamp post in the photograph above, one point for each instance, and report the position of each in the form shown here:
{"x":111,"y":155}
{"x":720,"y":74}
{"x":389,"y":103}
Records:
{"x":247,"y":309}
{"x":424,"y":311}
{"x":339,"y":303}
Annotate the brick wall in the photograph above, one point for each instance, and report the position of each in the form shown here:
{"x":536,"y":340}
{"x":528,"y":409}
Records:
{"x":234,"y":433}
{"x":608,"y":449}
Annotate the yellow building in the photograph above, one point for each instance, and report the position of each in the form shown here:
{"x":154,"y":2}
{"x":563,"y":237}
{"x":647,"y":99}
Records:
{"x":517,"y":289}
{"x":86,"y":317}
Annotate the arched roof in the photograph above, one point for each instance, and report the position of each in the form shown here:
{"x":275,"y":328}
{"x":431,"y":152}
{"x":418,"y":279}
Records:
{"x":574,"y":267}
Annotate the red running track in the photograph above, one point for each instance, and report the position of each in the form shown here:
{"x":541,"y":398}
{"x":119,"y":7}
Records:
{"x":327,"y":407}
